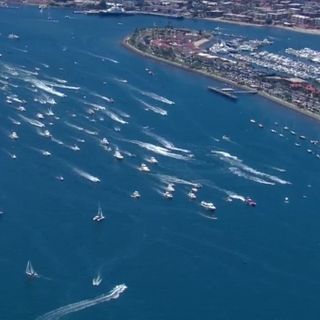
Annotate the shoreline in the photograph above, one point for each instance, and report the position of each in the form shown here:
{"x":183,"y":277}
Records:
{"x":315,"y":32}
{"x":266,"y":95}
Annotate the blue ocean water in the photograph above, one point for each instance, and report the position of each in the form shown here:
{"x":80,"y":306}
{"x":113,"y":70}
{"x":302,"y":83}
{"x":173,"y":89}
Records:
{"x":177,"y":262}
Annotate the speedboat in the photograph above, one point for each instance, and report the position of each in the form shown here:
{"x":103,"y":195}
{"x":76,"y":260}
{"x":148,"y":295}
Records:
{"x":60,"y":178}
{"x":302,"y":137}
{"x":46,"y":153}
{"x":252,"y":121}
{"x":208,"y":205}
{"x":13,"y":135}
{"x":286,"y":200}
{"x":250,"y":202}
{"x":191,"y":195}
{"x":260,"y":125}
{"x":13,"y":156}
{"x":30,"y":272}
{"x":75,"y":148}
{"x":97,"y":280}
{"x":47,"y":134}
{"x":104,"y":141}
{"x":39,"y":116}
{"x":144,"y":168}
{"x":170,"y":187}
{"x":135,"y":195}
{"x":118,"y":155}
{"x":168,"y":195}
{"x":13,"y":36}
{"x":21,"y":108}
{"x":152,"y":160}
{"x":99,"y":216}
{"x":194,"y":189}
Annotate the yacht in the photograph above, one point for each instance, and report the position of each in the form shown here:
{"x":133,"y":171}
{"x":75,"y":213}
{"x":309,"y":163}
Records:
{"x":250,"y":202}
{"x":13,"y":156}
{"x":118,"y":155}
{"x":191,"y":195}
{"x":208,"y":205}
{"x":136,"y":195}
{"x":104,"y":141}
{"x":252,"y":121}
{"x":144,"y":168}
{"x":99,"y":216}
{"x":170,"y":187}
{"x":21,"y":108}
{"x":13,"y":135}
{"x":168,"y":195}
{"x":30,"y":272}
{"x":152,"y":160}
{"x":97,"y":280}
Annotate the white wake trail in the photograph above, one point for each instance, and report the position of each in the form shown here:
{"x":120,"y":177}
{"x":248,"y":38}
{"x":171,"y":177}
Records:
{"x":84,"y":304}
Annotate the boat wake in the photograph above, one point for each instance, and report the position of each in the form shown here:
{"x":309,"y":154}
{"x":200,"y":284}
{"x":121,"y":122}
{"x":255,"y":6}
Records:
{"x":167,"y":179}
{"x":86,"y":175}
{"x":167,"y":144}
{"x":91,"y":54}
{"x":153,"y":108}
{"x":33,"y":122}
{"x":84,"y":304}
{"x":242,"y":170}
{"x":160,"y":150}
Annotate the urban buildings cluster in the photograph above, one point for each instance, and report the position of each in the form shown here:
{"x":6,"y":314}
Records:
{"x":197,"y":50}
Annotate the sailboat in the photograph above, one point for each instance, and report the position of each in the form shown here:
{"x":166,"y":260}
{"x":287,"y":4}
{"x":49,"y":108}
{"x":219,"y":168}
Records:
{"x":99,"y":216}
{"x":30,"y":272}
{"x":97,"y":280}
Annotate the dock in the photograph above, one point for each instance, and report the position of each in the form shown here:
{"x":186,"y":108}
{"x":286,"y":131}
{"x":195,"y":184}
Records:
{"x":225,"y":93}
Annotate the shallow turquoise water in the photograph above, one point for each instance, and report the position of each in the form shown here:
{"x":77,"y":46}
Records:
{"x":251,"y":263}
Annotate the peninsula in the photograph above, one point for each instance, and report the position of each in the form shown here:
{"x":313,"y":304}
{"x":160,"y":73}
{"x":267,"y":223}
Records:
{"x":238,"y":61}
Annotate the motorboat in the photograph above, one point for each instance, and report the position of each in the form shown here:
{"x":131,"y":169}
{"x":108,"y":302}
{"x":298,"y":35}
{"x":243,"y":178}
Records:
{"x":21,"y":108}
{"x":144,"y":168}
{"x":13,"y":36}
{"x":97,"y":280}
{"x":250,"y":202}
{"x":104,"y":141}
{"x":47,"y":134}
{"x":118,"y":155}
{"x":30,"y":272}
{"x":13,"y":135}
{"x":170,"y":187}
{"x":135,"y":195}
{"x":152,"y":160}
{"x":60,"y":178}
{"x":168,"y":195}
{"x":99,"y":216}
{"x":191,"y":195}
{"x":39,"y":116}
{"x":75,"y":148}
{"x":194,"y":189}
{"x":46,"y":153}
{"x":208,"y":205}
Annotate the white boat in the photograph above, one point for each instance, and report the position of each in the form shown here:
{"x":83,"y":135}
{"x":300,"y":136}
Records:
{"x":21,"y":108}
{"x":152,"y":160}
{"x":135,"y":195}
{"x":13,"y":36}
{"x":97,"y":280}
{"x":46,"y":153}
{"x":30,"y":272}
{"x":60,"y":178}
{"x":13,"y":135}
{"x":47,"y":134}
{"x":170,"y":187}
{"x":99,"y":216}
{"x":39,"y":116}
{"x":168,"y":195}
{"x":191,"y":195}
{"x":118,"y":155}
{"x":13,"y":156}
{"x":49,"y":112}
{"x":194,"y":189}
{"x":104,"y":141}
{"x":75,"y":148}
{"x":208,"y":205}
{"x":144,"y":168}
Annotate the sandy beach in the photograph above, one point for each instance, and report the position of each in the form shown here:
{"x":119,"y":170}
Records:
{"x":281,"y":102}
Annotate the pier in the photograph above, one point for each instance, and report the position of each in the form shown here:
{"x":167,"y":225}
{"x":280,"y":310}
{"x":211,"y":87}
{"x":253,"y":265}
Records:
{"x":225,"y":93}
